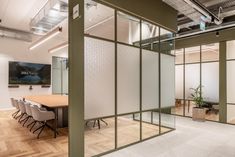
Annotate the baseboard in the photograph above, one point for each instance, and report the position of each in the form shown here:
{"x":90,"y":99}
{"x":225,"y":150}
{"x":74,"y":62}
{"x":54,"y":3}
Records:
{"x":7,"y":109}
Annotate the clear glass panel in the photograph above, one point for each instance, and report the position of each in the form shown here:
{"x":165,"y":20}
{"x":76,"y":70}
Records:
{"x":150,"y":124}
{"x":179,"y":56}
{"x":210,"y":52}
{"x":179,"y":88}
{"x":128,"y":29}
{"x":128,"y":79}
{"x":99,"y":20}
{"x":150,"y":36}
{"x":167,"y":41}
{"x":99,"y":140}
{"x":210,"y":89}
{"x":167,"y":91}
{"x":150,"y":87}
{"x":231,"y":113}
{"x":230,"y":82}
{"x":230,"y":49}
{"x":59,"y":75}
{"x":99,"y":78}
{"x":128,"y":129}
{"x":192,"y":54}
{"x":192,"y":80}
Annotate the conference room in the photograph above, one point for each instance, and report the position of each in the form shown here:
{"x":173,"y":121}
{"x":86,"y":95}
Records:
{"x":123,"y":70}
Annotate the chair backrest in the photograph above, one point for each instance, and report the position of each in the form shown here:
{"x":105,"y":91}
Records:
{"x":17,"y":104}
{"x":35,"y":112}
{"x":28,"y":109}
{"x":22,"y":106}
{"x":13,"y":102}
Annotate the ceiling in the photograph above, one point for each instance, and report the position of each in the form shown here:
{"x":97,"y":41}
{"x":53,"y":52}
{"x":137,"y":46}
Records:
{"x":189,"y":20}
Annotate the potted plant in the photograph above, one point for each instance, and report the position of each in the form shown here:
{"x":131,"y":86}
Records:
{"x":199,"y":112}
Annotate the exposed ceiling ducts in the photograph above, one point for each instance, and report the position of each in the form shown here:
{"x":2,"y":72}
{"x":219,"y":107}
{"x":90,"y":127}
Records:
{"x":216,"y":13}
{"x":15,"y":34}
{"x":52,"y":14}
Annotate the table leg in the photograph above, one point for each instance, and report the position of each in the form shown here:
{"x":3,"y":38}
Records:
{"x":56,"y":122}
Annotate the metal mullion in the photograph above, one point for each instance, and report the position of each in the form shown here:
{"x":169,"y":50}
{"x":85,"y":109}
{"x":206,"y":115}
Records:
{"x":200,"y":71}
{"x":159,"y":79}
{"x":115,"y":26}
{"x":184,"y":82}
{"x":140,"y":79}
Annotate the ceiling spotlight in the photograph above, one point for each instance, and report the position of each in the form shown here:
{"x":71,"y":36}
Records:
{"x":217,"y":34}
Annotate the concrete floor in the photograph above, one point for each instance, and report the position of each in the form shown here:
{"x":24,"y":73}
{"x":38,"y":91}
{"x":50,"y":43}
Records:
{"x":191,"y":139}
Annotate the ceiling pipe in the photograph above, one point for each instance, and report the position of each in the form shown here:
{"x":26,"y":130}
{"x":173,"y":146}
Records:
{"x":204,"y":11}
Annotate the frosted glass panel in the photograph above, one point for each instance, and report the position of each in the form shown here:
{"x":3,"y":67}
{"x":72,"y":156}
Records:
{"x":192,"y":54}
{"x":231,"y":114}
{"x":230,"y":81}
{"x":150,"y":82}
{"x":231,"y":49}
{"x":99,"y":78}
{"x":210,"y":52}
{"x":128,"y":79}
{"x":167,"y":81}
{"x":192,"y":78}
{"x":179,"y":80}
{"x":210,"y":81}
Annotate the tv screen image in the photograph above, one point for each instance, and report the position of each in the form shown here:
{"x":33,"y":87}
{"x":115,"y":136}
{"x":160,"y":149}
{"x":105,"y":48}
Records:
{"x":29,"y":73}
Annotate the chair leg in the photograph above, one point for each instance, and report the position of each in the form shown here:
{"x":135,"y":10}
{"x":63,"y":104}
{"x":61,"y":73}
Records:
{"x":20,"y":117}
{"x":33,"y":125}
{"x":39,"y":128}
{"x":26,"y":120}
{"x":15,"y":113}
{"x":94,"y":123}
{"x":104,"y":122}
{"x":30,"y":123}
{"x":98,"y":123}
{"x":42,"y":128}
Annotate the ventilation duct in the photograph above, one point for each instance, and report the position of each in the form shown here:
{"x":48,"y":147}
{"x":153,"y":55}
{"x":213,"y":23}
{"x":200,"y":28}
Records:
{"x":15,"y":34}
{"x":52,"y":14}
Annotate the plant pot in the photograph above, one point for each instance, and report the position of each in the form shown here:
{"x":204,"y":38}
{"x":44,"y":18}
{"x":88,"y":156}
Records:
{"x":199,"y":114}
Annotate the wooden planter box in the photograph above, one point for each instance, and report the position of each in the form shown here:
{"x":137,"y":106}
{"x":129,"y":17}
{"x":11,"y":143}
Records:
{"x":199,"y":114}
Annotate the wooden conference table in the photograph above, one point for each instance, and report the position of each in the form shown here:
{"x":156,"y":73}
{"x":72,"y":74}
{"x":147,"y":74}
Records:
{"x":54,"y":102}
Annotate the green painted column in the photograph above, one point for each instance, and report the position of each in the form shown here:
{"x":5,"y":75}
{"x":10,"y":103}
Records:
{"x":76,"y":80}
{"x":222,"y":83}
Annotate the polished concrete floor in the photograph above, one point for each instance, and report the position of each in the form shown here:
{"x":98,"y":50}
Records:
{"x":191,"y":139}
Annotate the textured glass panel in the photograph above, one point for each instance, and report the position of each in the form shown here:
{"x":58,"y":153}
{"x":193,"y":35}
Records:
{"x":192,"y":78}
{"x":210,"y":52}
{"x":128,"y":79}
{"x":210,"y":81}
{"x":231,"y":113}
{"x":167,"y":81}
{"x":128,"y":29}
{"x":192,"y":54}
{"x":150,"y":89}
{"x":99,"y":20}
{"x":230,"y":81}
{"x":99,"y":78}
{"x":128,"y":130}
{"x":230,"y":49}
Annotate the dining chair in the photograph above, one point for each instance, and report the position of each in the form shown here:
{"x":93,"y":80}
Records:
{"x":42,"y":117}
{"x":22,"y":110}
{"x":14,"y":104}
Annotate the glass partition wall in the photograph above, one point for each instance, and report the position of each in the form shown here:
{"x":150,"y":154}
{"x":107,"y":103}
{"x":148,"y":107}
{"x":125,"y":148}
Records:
{"x":129,"y":79}
{"x":197,"y":67}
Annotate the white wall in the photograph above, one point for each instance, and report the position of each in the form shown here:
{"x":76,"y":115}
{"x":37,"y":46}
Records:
{"x":15,"y":50}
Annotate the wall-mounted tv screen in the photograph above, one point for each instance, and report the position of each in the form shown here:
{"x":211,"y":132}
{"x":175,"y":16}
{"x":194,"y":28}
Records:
{"x":29,"y":73}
